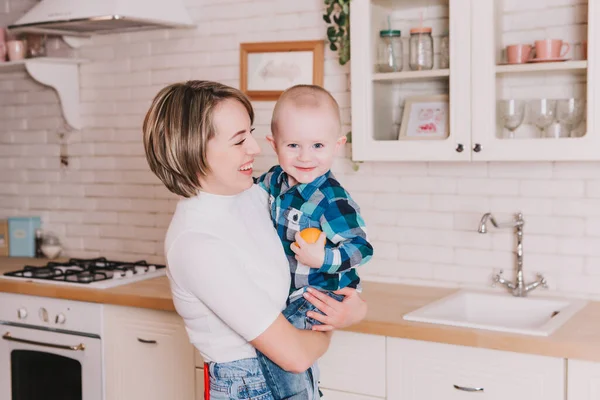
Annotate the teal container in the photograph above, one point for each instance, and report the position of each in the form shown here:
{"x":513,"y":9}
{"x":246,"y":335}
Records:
{"x":21,"y":232}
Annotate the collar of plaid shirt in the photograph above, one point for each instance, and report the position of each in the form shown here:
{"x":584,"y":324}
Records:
{"x":306,"y":190}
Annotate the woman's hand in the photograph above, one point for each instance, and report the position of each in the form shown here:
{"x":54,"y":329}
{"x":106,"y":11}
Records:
{"x":338,"y":314}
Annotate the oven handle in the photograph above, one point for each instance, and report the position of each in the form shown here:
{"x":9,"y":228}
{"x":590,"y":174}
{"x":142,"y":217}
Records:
{"x":80,"y":346}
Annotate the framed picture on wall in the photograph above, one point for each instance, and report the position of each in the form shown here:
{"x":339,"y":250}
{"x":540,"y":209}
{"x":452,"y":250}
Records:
{"x":267,"y":69}
{"x":425,"y":118}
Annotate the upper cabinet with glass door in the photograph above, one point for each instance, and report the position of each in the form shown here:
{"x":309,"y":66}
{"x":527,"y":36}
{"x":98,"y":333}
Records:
{"x":535,"y":80}
{"x":411,"y":72}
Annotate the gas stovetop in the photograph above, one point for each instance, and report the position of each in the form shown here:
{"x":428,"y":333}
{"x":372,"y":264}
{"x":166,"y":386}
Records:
{"x":98,"y":273}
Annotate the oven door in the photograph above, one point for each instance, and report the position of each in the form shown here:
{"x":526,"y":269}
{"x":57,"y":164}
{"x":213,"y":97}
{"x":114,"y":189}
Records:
{"x":38,"y":364}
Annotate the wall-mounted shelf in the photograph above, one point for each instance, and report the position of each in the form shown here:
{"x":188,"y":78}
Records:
{"x":542,"y":67}
{"x":62,"y":74}
{"x":411,"y":75}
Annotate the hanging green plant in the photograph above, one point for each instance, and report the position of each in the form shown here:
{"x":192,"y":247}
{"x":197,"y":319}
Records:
{"x":337,"y":16}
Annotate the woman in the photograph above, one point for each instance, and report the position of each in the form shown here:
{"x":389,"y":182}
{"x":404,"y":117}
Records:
{"x":228,"y":272}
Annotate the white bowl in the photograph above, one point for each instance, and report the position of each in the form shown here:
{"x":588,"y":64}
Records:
{"x":51,"y":251}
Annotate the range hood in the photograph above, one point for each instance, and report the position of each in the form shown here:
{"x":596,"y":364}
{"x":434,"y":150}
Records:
{"x":93,"y":17}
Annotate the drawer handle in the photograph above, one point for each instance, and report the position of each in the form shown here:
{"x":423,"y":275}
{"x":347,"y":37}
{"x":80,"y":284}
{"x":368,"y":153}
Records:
{"x":468,"y":389}
{"x":147,"y":341}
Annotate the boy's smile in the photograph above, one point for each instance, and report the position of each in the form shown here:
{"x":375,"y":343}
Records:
{"x":307,"y":141}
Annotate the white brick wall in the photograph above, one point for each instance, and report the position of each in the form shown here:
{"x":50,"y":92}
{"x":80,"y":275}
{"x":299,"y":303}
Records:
{"x":422,"y":216}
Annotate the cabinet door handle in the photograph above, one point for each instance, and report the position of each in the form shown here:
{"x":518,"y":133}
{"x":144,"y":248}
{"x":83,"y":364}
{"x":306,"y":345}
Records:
{"x":477,"y":148}
{"x":460,"y":148}
{"x":147,"y":341}
{"x":468,"y":389}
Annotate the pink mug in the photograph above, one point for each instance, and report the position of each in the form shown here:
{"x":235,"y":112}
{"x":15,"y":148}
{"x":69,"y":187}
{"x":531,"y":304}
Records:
{"x":17,"y":49}
{"x":518,"y":53}
{"x":550,"y":48}
{"x":3,"y":50}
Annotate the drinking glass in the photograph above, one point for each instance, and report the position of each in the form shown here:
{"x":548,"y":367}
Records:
{"x":543,"y":113}
{"x":569,"y":112}
{"x":512,"y":113}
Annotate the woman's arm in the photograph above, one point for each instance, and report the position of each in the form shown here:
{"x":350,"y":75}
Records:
{"x":210,"y":270}
{"x":294,"y":350}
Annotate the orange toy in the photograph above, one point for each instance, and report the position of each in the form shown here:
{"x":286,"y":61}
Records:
{"x":310,"y":235}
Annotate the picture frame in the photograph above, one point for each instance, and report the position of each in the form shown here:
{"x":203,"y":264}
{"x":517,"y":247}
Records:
{"x":267,"y":69}
{"x":425,"y":118}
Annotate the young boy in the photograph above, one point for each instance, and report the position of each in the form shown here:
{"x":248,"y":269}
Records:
{"x":303,"y":193}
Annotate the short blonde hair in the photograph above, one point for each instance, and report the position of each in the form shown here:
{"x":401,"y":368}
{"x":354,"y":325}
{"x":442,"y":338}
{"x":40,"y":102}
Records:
{"x":305,"y":96}
{"x":177,"y":128}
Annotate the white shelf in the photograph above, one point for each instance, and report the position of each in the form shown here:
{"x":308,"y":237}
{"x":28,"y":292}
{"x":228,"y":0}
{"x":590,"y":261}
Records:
{"x":411,"y":75}
{"x":62,"y":74}
{"x":542,"y":67}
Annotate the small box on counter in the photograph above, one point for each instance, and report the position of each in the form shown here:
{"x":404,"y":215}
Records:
{"x":21,"y":233}
{"x":3,"y":238}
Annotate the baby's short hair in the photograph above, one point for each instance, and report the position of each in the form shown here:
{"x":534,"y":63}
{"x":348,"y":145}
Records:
{"x":305,"y":96}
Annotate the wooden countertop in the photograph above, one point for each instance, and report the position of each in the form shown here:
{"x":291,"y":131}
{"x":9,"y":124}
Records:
{"x":578,"y":338}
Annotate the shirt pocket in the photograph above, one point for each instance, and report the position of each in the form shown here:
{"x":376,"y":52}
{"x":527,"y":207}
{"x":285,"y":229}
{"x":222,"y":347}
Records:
{"x":295,"y":221}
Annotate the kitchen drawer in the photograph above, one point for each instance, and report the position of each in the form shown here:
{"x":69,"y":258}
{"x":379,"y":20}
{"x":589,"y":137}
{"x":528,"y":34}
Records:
{"x":584,"y":380}
{"x":423,"y":371}
{"x":147,"y":355}
{"x":354,"y":363}
{"x":335,"y":395}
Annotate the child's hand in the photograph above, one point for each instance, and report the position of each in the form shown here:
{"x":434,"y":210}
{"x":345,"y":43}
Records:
{"x":310,"y":254}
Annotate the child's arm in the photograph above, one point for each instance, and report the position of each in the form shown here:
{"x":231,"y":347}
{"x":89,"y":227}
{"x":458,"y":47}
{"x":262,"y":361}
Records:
{"x":345,"y":228}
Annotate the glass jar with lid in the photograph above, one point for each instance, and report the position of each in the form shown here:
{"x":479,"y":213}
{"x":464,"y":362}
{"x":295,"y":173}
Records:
{"x":445,"y":51}
{"x":389,"y":51}
{"x":420,"y":49}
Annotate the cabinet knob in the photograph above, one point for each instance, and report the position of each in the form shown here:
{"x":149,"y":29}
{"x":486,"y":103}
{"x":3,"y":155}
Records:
{"x":477,"y":148}
{"x":22,"y":313}
{"x":460,"y":148}
{"x":60,"y":319}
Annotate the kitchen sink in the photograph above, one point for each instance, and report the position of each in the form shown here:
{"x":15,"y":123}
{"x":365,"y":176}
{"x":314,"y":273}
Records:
{"x":539,"y":316}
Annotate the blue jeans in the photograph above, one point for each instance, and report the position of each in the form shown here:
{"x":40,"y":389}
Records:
{"x":238,"y":380}
{"x":288,"y":385}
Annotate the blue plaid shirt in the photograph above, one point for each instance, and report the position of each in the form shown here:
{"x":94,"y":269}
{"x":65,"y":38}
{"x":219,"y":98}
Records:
{"x":323,"y":204}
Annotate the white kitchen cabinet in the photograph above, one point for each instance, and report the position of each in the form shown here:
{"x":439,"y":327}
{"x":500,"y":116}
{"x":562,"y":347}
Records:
{"x":476,"y":81}
{"x":419,"y":370}
{"x":378,"y":98}
{"x":336,"y":395}
{"x":496,"y":24}
{"x":583,"y":380}
{"x":354,"y":363}
{"x":147,"y":355}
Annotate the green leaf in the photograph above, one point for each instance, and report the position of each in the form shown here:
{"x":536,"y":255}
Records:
{"x":346,"y":9}
{"x":328,"y":2}
{"x":330,"y":9}
{"x":341,"y":32}
{"x":331,"y":32}
{"x":326,"y":18}
{"x":336,"y":19}
{"x":342,"y":19}
{"x":333,"y":47}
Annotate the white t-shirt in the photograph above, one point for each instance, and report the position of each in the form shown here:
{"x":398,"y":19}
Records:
{"x":229,"y":275}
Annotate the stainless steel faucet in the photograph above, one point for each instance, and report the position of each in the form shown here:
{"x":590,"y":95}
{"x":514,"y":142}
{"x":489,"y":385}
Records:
{"x":518,"y":288}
